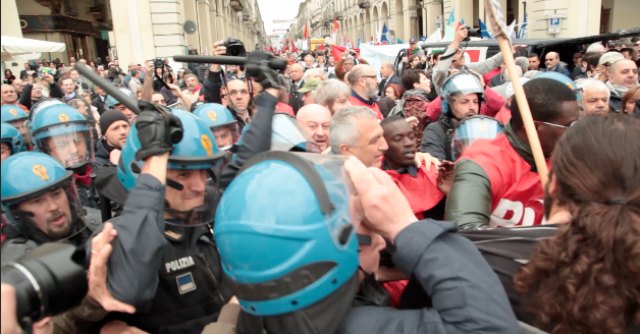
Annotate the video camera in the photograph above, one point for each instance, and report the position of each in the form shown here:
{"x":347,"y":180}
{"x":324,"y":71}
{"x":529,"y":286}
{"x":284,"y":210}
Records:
{"x":473,"y":32}
{"x":49,"y":280}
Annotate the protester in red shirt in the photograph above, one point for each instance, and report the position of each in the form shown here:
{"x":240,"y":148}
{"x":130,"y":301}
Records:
{"x":364,"y":88}
{"x":496,"y":182}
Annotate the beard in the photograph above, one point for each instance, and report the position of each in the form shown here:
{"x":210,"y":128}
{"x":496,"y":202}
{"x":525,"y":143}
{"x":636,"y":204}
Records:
{"x":60,"y":231}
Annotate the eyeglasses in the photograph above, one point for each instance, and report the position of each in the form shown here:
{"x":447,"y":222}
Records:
{"x":559,"y":126}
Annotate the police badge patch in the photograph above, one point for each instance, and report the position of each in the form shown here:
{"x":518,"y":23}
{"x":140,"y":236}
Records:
{"x":185,"y":283}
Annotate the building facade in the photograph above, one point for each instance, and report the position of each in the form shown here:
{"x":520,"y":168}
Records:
{"x":362,"y":20}
{"x":163,"y":28}
{"x":134,"y":30}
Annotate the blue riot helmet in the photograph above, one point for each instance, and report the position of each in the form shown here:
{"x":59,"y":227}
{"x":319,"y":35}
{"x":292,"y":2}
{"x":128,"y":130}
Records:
{"x":461,"y":83}
{"x":286,"y":135}
{"x":471,"y":129}
{"x":64,"y":133}
{"x":43,"y":104}
{"x":196,"y":150}
{"x":13,"y":113}
{"x":12,"y":141}
{"x":26,"y":177}
{"x":223,"y":125}
{"x":17,"y":117}
{"x":562,"y":79}
{"x":284,"y":234}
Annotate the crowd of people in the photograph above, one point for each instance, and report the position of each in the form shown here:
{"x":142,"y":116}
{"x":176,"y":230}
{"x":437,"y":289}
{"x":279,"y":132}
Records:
{"x":331,"y":196}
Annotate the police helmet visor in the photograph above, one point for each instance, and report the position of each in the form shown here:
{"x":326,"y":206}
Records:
{"x":287,"y":135}
{"x":316,"y":238}
{"x":69,"y":143}
{"x":48,"y":213}
{"x":472,"y":129}
{"x":226,"y":135}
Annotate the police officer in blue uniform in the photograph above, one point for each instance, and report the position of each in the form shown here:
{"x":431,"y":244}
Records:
{"x":65,"y":134}
{"x":40,"y":204}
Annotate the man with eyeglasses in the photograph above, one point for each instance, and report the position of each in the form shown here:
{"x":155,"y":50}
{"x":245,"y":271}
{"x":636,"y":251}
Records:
{"x":238,"y":93}
{"x":496,"y":182}
{"x":364,"y":88}
{"x":552,"y":63}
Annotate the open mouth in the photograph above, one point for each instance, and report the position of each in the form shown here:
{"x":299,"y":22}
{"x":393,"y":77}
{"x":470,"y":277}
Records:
{"x":58,"y":220}
{"x":409,"y":154}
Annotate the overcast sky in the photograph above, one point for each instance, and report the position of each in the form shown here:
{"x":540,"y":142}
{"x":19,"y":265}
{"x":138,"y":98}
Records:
{"x":277,"y":10}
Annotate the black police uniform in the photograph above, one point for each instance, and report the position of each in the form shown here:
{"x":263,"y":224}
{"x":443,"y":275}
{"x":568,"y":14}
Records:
{"x":171,"y":274}
{"x":19,"y":243}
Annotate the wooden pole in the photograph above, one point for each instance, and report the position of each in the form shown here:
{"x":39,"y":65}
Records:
{"x":492,"y":7}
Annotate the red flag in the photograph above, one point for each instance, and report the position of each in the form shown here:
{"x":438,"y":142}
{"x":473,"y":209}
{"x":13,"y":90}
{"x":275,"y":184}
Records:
{"x":305,"y":34}
{"x":336,"y":51}
{"x":336,"y":25}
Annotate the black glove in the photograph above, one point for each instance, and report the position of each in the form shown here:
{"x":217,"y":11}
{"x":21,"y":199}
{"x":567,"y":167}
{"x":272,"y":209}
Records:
{"x":260,"y":66}
{"x":158,"y":130}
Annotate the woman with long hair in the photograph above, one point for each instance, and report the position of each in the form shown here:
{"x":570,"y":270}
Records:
{"x":586,"y":278}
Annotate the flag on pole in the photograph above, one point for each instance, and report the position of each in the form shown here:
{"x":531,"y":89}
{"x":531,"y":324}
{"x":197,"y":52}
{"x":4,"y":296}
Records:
{"x":385,"y":36}
{"x":511,"y":30}
{"x":449,"y":29}
{"x":522,"y":32}
{"x":336,"y":25}
{"x":452,"y":16}
{"x":305,"y":34}
{"x":484,"y":33}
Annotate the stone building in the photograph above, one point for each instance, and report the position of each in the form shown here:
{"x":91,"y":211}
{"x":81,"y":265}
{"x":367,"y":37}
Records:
{"x":363,"y":19}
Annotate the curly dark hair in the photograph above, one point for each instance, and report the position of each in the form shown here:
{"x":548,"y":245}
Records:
{"x":586,"y":278}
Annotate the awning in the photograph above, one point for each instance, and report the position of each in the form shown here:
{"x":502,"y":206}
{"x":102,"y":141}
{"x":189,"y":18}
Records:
{"x":19,"y":48}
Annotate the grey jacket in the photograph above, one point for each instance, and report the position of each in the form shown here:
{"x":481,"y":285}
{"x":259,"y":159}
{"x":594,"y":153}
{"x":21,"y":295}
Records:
{"x":441,"y":70}
{"x":466,"y":295}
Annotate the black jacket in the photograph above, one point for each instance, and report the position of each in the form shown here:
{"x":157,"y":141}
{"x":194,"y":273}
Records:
{"x":385,"y":82}
{"x":466,"y":295}
{"x":171,"y":275}
{"x":295,"y":98}
{"x":436,"y":138}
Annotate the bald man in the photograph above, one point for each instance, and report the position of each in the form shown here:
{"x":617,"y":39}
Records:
{"x":296,"y":73}
{"x":552,"y":64}
{"x":314,"y":120}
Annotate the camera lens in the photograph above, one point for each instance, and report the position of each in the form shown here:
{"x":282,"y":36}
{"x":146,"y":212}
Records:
{"x":49,"y":280}
{"x":158,"y":63}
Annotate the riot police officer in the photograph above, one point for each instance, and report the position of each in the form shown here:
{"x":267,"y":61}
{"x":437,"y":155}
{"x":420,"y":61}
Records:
{"x":296,"y":212}
{"x":17,"y":117}
{"x":40,"y":204}
{"x":12,"y":141}
{"x":223,"y":125}
{"x":65,"y":134}
{"x":164,"y":261}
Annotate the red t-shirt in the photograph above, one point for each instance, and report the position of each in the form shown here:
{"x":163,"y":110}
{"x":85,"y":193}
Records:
{"x":516,"y":191}
{"x":357,"y":102}
{"x":421,"y":190}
